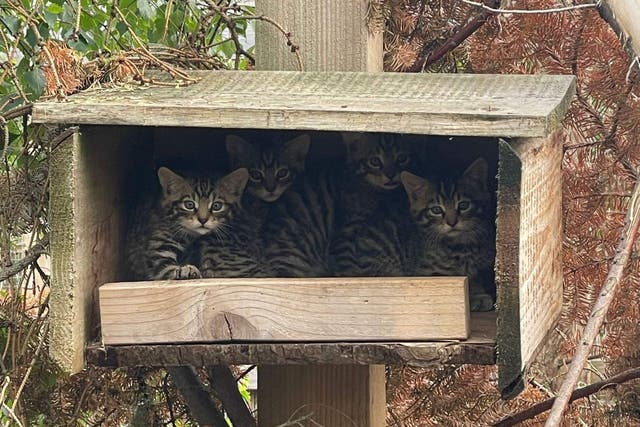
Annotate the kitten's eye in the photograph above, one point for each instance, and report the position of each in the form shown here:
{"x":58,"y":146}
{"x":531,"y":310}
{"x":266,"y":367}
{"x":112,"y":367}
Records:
{"x":375,"y":162}
{"x":463,"y":206}
{"x":217,"y":206}
{"x":255,"y":175}
{"x":402,"y":158}
{"x":282,"y":173}
{"x":436,"y":210}
{"x":189,"y":205}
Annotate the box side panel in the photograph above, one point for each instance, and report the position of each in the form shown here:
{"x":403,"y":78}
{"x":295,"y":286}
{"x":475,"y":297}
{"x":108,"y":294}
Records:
{"x":507,"y":271}
{"x":88,"y":211}
{"x":318,"y":28}
{"x":540,"y":240}
{"x":67,"y":330}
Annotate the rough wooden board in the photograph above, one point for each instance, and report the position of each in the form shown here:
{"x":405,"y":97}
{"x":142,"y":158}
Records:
{"x":332,"y":36}
{"x":68,"y":332}
{"x":507,"y":268}
{"x":336,"y":396}
{"x":478,"y":349}
{"x":540,"y":240}
{"x":446,"y":104}
{"x":314,"y":309}
{"x":87,"y":182}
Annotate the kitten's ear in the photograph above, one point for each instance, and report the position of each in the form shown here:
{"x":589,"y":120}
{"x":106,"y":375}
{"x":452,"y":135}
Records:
{"x":357,"y":144}
{"x":240,"y":151}
{"x":232,"y":185}
{"x":417,"y":188}
{"x":171,"y":182}
{"x":476,"y":174}
{"x":295,"y":151}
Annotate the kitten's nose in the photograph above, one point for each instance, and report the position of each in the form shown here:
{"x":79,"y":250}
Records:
{"x":451,"y":220}
{"x":203,"y":220}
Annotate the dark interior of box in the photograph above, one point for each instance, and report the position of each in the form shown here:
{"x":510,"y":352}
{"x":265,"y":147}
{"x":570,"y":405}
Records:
{"x":202,"y":151}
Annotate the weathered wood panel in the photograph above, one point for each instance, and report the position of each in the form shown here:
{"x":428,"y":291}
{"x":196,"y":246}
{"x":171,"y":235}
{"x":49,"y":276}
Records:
{"x":336,"y":396}
{"x":625,"y":14}
{"x":540,"y":239}
{"x":479,"y":349}
{"x":446,"y":104}
{"x":321,"y":309}
{"x":507,"y":270}
{"x":87,"y":228}
{"x":332,"y":36}
{"x":529,"y":257}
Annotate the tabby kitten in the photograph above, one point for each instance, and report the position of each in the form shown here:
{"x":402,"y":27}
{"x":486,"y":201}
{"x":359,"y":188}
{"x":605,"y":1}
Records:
{"x":272,"y":167}
{"x":187,"y":209}
{"x":374,"y":163}
{"x":455,"y":226}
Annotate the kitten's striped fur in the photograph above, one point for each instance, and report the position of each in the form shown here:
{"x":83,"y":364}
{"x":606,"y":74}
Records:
{"x":456,"y":229}
{"x":162,"y":232}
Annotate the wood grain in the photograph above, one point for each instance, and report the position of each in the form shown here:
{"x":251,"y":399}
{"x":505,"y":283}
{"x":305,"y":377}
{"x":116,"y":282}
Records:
{"x":332,"y":36}
{"x":445,"y":104}
{"x":323,"y":309}
{"x":479,"y":349}
{"x":336,"y":396}
{"x":528,"y":252}
{"x":87,"y":221}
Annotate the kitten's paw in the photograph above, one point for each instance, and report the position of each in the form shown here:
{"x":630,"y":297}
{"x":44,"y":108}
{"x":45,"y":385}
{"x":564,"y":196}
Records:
{"x":481,"y":302}
{"x":188,"y":271}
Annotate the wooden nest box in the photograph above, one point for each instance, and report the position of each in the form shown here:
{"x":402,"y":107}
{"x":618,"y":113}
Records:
{"x":122,"y":130}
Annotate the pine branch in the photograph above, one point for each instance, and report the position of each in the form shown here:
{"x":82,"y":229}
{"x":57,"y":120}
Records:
{"x":600,"y":308}
{"x":423,"y":61}
{"x":226,"y":388}
{"x":196,"y":396}
{"x":596,"y":387}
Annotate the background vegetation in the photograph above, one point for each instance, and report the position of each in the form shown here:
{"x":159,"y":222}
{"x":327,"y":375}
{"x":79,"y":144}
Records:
{"x":55,"y":48}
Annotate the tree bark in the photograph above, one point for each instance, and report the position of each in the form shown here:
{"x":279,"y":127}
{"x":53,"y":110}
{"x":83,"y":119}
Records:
{"x":224,"y":384}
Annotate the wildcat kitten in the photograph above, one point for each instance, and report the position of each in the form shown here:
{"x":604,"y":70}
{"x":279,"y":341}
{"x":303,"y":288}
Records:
{"x":372,"y":181}
{"x":237,"y":250}
{"x":272,"y":167}
{"x":187,"y":209}
{"x":454,"y":221}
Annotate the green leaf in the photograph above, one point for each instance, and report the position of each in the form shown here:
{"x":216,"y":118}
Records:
{"x":146,"y":9}
{"x":11,"y":22}
{"x":36,"y":81}
{"x":54,"y":8}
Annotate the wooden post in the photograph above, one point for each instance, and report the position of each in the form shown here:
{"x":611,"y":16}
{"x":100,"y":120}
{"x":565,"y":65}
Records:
{"x":333,"y":35}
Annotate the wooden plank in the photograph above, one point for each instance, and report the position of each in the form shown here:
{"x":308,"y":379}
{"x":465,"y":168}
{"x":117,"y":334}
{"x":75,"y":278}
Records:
{"x":478,"y":349}
{"x":318,"y":27}
{"x":336,"y":396}
{"x":446,"y":104}
{"x":507,"y":268}
{"x":540,"y":239}
{"x":87,"y":183}
{"x":313,"y":309}
{"x":528,"y":252}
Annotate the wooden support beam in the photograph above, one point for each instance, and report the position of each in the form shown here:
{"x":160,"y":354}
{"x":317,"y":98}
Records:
{"x":278,"y":309}
{"x":332,"y":35}
{"x":336,"y":396}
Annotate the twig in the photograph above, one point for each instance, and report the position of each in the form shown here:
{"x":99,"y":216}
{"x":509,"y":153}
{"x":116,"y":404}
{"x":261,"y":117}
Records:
{"x":224,"y":384}
{"x":596,"y":318}
{"x":32,"y":255}
{"x":532,"y":11}
{"x":295,"y":49}
{"x":539,"y":408}
{"x":23,"y":110}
